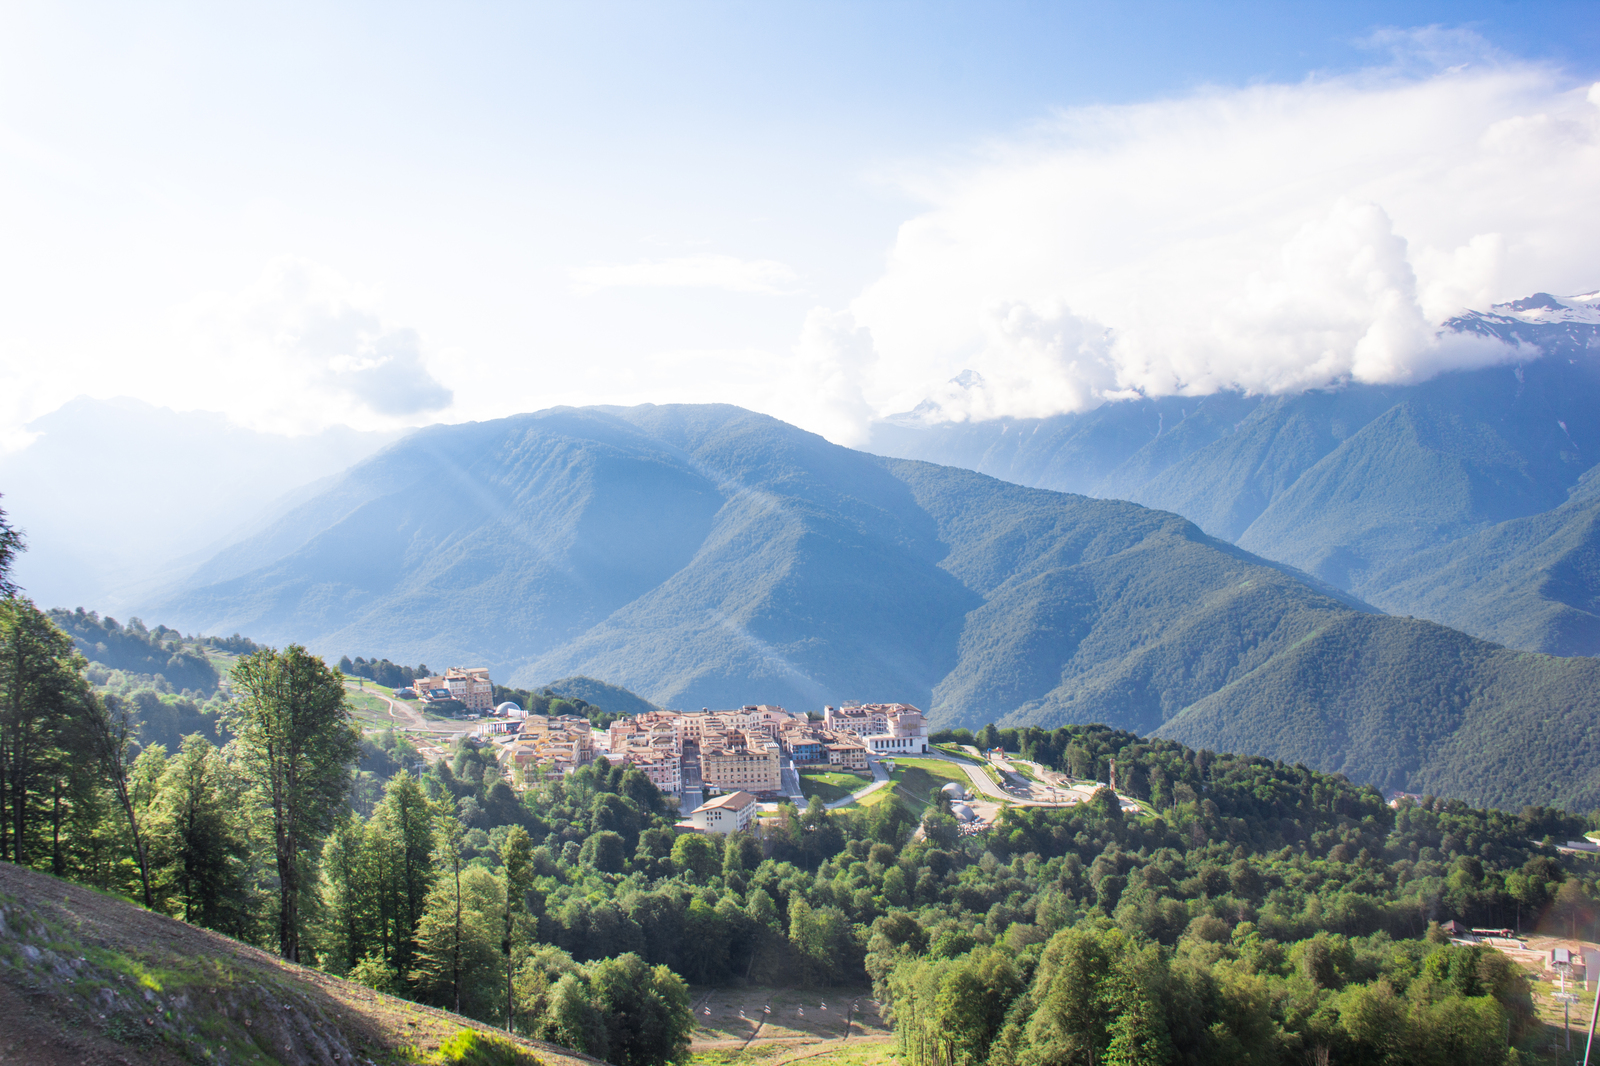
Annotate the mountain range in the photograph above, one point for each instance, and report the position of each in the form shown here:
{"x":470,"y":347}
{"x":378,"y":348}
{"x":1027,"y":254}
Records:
{"x":710,"y":556}
{"x":119,"y":498}
{"x":1464,"y":499}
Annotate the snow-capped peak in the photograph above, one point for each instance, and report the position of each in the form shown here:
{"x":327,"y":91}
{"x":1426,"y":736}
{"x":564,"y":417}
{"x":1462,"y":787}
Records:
{"x":1541,"y":308}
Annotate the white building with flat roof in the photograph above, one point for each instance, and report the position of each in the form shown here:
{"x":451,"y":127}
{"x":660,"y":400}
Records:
{"x":905,"y":732}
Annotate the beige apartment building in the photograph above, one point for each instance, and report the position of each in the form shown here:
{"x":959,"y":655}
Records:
{"x":470,"y":685}
{"x":565,"y":742}
{"x":663,"y":768}
{"x":847,"y":755}
{"x":761,"y":718}
{"x":740,"y":760}
{"x":653,"y":746}
{"x":857,"y":720}
{"x":907,"y":733}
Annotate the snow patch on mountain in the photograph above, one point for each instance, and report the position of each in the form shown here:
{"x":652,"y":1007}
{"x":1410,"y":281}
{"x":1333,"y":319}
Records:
{"x":1536,"y":322}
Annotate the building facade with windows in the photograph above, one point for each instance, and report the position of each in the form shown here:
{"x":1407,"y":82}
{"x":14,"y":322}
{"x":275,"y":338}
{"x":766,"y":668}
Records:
{"x":905,"y":733}
{"x":742,"y":761}
{"x":469,"y":685}
{"x":725,"y":814}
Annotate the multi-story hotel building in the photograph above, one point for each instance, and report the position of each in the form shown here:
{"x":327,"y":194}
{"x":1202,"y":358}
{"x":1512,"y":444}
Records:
{"x":470,"y":685}
{"x":746,"y":761}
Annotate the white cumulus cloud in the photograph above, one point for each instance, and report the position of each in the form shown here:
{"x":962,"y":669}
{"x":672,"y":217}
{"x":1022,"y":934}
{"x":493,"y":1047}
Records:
{"x":299,"y":349}
{"x":1273,"y":238}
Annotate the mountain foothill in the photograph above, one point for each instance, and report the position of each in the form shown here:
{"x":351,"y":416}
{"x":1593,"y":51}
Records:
{"x":704,"y":555}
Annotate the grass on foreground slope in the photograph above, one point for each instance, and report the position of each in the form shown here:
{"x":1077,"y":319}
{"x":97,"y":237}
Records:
{"x":88,"y":978}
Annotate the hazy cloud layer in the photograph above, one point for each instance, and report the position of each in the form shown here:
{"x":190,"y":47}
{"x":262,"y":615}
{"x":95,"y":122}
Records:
{"x":303,"y":344}
{"x":695,"y":271}
{"x":1273,"y":239}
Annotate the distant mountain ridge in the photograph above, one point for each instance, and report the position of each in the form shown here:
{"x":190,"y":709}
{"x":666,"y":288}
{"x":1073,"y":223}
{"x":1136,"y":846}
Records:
{"x":606,"y":696}
{"x":1406,"y":496}
{"x":709,"y":556}
{"x":120,"y":498}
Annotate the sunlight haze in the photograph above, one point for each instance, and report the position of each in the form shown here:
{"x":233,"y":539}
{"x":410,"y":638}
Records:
{"x":823,"y":212}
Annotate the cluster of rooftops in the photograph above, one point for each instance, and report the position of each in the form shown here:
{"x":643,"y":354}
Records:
{"x":745,"y":751}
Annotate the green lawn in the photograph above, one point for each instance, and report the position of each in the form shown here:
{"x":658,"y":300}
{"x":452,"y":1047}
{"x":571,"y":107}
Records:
{"x":872,"y":799}
{"x":367,"y":706}
{"x":222,"y":662}
{"x":830,"y":785}
{"x":915,"y":779}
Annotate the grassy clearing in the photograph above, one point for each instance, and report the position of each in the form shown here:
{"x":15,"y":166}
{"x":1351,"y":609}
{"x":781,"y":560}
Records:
{"x":1549,"y":1011}
{"x":872,"y":799}
{"x":221,"y":661}
{"x":956,"y":751}
{"x":737,"y":1032}
{"x":915,"y":779}
{"x":872,"y":1051}
{"x":830,"y":785}
{"x":369,"y":709}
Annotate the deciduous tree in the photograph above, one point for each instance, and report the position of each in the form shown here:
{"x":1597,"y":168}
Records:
{"x":296,"y":740}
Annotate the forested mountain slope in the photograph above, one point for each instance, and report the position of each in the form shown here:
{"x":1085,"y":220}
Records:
{"x":1360,"y":485}
{"x":1531,"y":582}
{"x":1414,"y":705}
{"x":708,"y":556}
{"x":136,"y":650}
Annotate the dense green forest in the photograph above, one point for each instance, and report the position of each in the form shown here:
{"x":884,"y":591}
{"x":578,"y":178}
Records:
{"x":384,"y":672}
{"x":550,"y":702}
{"x":142,"y":653}
{"x":1254,"y":912}
{"x":557,"y":698}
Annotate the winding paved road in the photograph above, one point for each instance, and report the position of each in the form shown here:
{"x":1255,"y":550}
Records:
{"x":880,"y":778}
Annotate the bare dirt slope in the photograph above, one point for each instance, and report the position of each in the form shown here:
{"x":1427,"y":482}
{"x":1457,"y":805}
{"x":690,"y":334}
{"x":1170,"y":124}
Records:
{"x":87,"y":979}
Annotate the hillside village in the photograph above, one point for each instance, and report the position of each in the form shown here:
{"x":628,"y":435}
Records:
{"x":753,"y":752}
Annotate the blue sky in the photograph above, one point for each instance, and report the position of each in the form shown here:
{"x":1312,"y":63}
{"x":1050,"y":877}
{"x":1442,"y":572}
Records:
{"x":393,"y":214}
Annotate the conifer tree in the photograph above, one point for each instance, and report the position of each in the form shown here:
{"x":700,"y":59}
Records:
{"x":399,"y":842}
{"x":43,"y":700}
{"x":516,"y":859}
{"x":11,"y":545}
